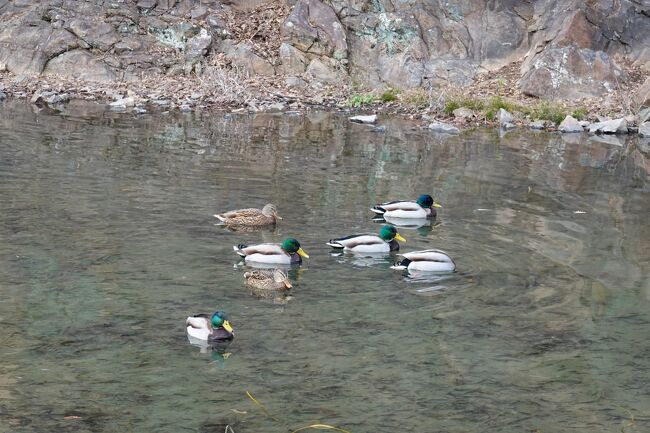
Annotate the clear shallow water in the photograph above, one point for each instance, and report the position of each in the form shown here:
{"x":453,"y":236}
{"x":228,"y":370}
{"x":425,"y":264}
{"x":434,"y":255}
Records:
{"x":107,"y":243}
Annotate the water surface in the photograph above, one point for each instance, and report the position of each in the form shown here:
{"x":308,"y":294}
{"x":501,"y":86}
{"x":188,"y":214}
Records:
{"x":107,"y":243}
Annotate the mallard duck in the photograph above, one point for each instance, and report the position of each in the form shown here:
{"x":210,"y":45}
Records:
{"x":270,"y":279}
{"x":250,"y":217}
{"x":369,"y":243}
{"x":423,"y":207}
{"x":426,"y":260}
{"x":213,"y":328}
{"x":286,"y":253}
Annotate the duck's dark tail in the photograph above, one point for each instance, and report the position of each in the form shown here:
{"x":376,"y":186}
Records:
{"x":335,"y":244}
{"x":401,"y":265}
{"x":238,"y":249}
{"x":378,"y":210}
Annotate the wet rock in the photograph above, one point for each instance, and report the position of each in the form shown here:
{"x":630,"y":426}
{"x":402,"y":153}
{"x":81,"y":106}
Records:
{"x":538,"y":124}
{"x":504,"y":117}
{"x":185,"y":108}
{"x":275,"y":107}
{"x":571,"y":73}
{"x":364,"y":119}
{"x":3,"y":96}
{"x":644,"y":129}
{"x":616,"y":126}
{"x":139,"y":110}
{"x":80,"y":64}
{"x":218,"y":25}
{"x":49,"y":98}
{"x":463,"y":113}
{"x":443,"y":127}
{"x":569,"y":125}
{"x":123,"y":103}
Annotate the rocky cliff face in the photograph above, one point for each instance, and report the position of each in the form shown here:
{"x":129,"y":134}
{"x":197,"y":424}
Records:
{"x":567,"y":48}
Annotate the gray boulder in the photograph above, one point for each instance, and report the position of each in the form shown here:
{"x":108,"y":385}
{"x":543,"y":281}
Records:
{"x":571,"y":73}
{"x":616,"y":126}
{"x":443,"y":127}
{"x":644,"y":129}
{"x":569,"y":125}
{"x":504,"y":117}
{"x":80,"y":64}
{"x":463,"y":113}
{"x":537,"y":124}
{"x":364,"y":119}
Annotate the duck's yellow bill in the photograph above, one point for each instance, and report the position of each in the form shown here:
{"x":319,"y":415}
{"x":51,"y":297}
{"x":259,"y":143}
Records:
{"x":436,"y":204}
{"x":400,"y":238}
{"x":226,"y":326}
{"x":302,"y":253}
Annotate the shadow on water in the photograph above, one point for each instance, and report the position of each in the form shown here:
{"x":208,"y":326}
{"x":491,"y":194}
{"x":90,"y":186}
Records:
{"x":107,"y":243}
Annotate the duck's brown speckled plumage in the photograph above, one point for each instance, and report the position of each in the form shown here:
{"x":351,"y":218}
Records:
{"x":250,"y":217}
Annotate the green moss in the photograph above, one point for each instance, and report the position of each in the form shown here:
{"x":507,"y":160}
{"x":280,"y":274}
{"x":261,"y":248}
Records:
{"x":389,"y":95}
{"x":579,"y":113}
{"x":450,"y":106}
{"x":360,"y":99}
{"x":548,"y":111}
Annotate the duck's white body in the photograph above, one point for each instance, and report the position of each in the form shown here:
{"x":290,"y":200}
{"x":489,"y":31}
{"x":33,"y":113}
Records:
{"x":426,"y":260}
{"x":198,"y":328}
{"x":364,"y":243}
{"x":401,"y":209}
{"x":266,"y":253}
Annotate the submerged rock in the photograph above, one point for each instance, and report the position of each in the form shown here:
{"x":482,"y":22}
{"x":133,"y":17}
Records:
{"x":570,"y":124}
{"x":443,"y":127}
{"x":364,"y":119}
{"x":616,"y":126}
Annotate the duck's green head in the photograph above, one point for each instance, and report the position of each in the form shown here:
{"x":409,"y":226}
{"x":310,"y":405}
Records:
{"x":388,"y":233}
{"x":293,"y":246}
{"x":426,"y":201}
{"x":220,"y":319}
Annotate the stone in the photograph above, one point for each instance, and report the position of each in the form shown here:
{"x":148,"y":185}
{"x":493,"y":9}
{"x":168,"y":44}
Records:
{"x":295,"y":82}
{"x":537,"y":124}
{"x":123,"y":103}
{"x":313,"y":27}
{"x":364,"y":119}
{"x":508,"y":126}
{"x":3,"y":96}
{"x":80,"y":64}
{"x":644,"y":115}
{"x":443,"y":127}
{"x":198,"y":46}
{"x":274,"y":107}
{"x":198,"y":12}
{"x":243,"y":56}
{"x":644,"y":129}
{"x":615,"y":126}
{"x":642,"y":95}
{"x":185,"y":108}
{"x":463,"y":113}
{"x":571,"y":73}
{"x":570,"y":125}
{"x":504,"y":117}
{"x":95,"y":33}
{"x":323,"y":72}
{"x":293,"y":60}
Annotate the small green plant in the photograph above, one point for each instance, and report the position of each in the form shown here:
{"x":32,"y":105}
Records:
{"x":497,"y":102}
{"x":389,"y":95}
{"x":450,"y":106}
{"x":548,"y":111}
{"x":579,"y":113}
{"x":360,"y":99}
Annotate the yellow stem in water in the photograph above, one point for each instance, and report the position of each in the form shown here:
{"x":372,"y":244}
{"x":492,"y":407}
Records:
{"x":321,"y":427}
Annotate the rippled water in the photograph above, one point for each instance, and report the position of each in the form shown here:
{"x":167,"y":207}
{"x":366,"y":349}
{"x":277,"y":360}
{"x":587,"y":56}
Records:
{"x":107,"y":243}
